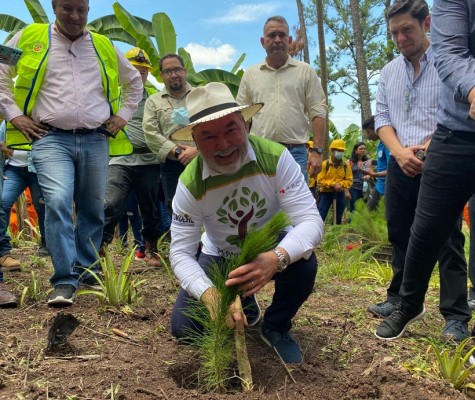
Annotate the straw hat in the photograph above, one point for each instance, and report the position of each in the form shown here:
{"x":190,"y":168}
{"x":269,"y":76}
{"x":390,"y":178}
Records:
{"x":210,"y":102}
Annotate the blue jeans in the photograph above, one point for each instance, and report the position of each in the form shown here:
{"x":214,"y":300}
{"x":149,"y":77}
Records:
{"x":19,"y":178}
{"x":292,"y":288}
{"x":72,"y":173}
{"x":325,"y":201}
{"x":356,"y":194}
{"x":299,"y":153}
{"x":5,"y":246}
{"x":131,"y":214}
{"x":447,"y":183}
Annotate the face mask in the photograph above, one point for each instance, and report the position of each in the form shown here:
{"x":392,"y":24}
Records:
{"x":180,"y":116}
{"x":339,"y":155}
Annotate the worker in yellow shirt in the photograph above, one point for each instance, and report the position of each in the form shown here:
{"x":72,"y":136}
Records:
{"x":333,"y":181}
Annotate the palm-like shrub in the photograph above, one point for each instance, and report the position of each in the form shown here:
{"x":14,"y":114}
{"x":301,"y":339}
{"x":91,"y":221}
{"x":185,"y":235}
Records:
{"x":117,"y":288}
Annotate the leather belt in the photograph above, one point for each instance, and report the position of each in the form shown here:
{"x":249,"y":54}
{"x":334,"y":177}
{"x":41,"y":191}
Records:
{"x":79,"y":131}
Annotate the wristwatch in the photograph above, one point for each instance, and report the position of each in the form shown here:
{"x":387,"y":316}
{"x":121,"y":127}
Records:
{"x":318,"y":150}
{"x":178,"y":151}
{"x":281,"y":260}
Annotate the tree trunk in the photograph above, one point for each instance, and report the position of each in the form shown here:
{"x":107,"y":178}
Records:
{"x":303,"y":32}
{"x":389,"y":38}
{"x":361,"y":68}
{"x":323,"y":65}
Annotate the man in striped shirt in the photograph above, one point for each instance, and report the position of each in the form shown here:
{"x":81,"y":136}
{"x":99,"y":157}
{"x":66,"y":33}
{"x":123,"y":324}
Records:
{"x":406,"y":106}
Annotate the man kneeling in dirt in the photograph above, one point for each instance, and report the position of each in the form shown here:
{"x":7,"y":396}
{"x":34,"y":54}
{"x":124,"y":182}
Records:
{"x":262,"y":178}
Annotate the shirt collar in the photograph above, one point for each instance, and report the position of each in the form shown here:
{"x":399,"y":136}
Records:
{"x":250,"y":157}
{"x":425,"y":57}
{"x":164,"y":91}
{"x":289,"y":63}
{"x":85,"y":32}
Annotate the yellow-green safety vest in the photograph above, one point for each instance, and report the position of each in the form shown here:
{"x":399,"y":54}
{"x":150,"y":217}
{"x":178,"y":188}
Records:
{"x":35,"y":42}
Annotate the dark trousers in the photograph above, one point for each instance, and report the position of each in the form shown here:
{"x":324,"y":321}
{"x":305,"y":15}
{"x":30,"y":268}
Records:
{"x":170,"y":172}
{"x":132,"y":215}
{"x":447,"y":184}
{"x":325,"y":201}
{"x":471,"y":261}
{"x":121,"y":180}
{"x":402,"y":193}
{"x":292,"y":288}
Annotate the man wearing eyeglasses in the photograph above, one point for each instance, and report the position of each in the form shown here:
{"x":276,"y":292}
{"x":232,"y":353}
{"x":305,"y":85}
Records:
{"x":405,"y":119}
{"x":164,"y":113}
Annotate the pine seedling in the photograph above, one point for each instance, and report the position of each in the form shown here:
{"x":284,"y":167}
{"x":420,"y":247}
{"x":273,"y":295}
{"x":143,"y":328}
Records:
{"x":216,"y":340}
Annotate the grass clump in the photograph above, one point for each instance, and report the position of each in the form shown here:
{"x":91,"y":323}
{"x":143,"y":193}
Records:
{"x":33,"y":292}
{"x":367,"y":228}
{"x":452,"y":367}
{"x":216,"y":340}
{"x":117,"y":289}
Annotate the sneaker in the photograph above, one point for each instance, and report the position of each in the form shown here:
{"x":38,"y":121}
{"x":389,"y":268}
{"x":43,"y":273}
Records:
{"x":42,"y":251}
{"x":90,"y":281}
{"x":383,"y":309}
{"x":471,"y":304}
{"x":455,"y":330}
{"x":139,"y":255}
{"x":7,"y":299}
{"x":251,"y":308}
{"x":62,"y":296}
{"x":394,"y":326}
{"x":10,"y":264}
{"x":283,"y":344}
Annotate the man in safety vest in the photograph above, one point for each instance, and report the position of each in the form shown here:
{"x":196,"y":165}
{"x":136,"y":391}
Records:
{"x":138,"y":172}
{"x":65,"y":101}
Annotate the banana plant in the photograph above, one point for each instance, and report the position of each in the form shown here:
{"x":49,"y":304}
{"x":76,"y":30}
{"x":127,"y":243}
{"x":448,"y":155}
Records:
{"x":124,"y":27}
{"x":165,"y":36}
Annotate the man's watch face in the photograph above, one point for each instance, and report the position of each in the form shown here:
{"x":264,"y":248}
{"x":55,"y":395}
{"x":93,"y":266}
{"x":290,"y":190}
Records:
{"x":178,"y":151}
{"x":318,"y":150}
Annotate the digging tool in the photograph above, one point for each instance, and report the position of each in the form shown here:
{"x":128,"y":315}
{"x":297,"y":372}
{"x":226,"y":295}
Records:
{"x":244,"y":365}
{"x":334,"y":208}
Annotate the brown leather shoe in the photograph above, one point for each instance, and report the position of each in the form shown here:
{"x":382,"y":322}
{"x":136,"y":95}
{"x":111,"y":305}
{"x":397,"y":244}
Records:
{"x":7,"y":299}
{"x":151,"y":254}
{"x":9,"y":264}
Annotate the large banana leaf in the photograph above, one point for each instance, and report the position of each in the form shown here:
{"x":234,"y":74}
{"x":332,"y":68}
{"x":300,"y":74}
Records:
{"x":187,"y":59}
{"x":216,"y":75}
{"x":11,"y":25}
{"x":164,"y":34}
{"x":110,"y":23}
{"x":37,"y":11}
{"x":238,"y":63}
{"x":134,"y":28}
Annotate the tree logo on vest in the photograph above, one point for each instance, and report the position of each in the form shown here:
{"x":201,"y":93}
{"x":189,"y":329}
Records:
{"x":238,"y":210}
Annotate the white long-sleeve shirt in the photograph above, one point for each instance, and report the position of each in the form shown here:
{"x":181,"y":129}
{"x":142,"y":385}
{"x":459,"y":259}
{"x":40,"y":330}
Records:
{"x":269,"y":181}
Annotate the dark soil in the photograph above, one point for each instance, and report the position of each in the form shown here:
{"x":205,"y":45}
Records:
{"x":343,"y":359}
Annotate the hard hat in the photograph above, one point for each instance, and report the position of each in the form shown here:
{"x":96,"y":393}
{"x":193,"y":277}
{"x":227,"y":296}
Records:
{"x":338,"y":144}
{"x":139,"y":58}
{"x":310,"y":144}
